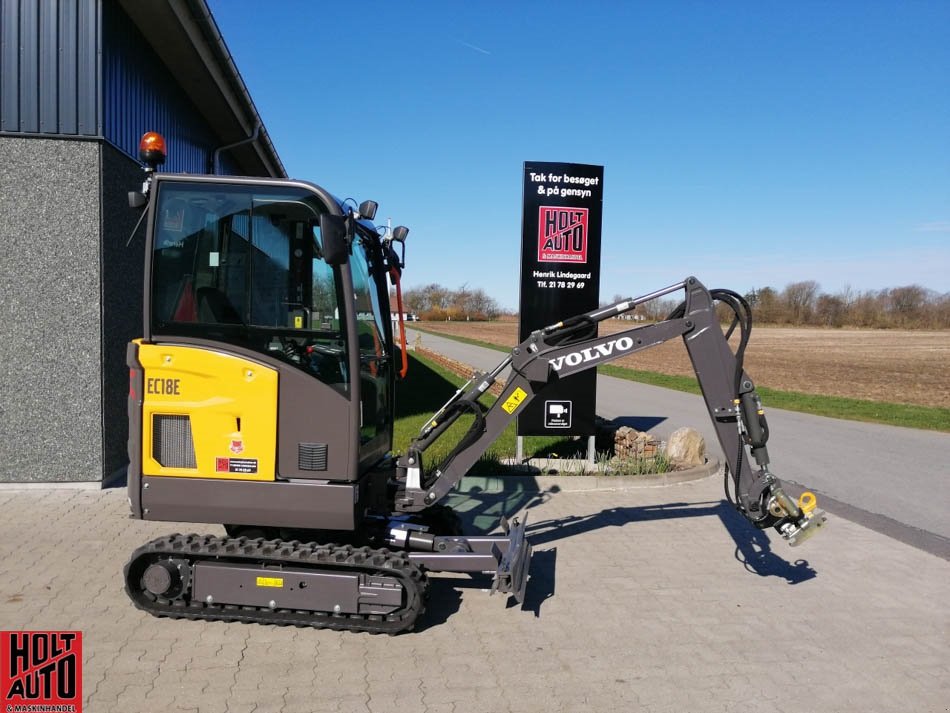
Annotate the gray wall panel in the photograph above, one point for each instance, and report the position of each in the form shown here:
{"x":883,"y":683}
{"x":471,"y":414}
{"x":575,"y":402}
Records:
{"x":122,"y":285}
{"x":50,"y":381}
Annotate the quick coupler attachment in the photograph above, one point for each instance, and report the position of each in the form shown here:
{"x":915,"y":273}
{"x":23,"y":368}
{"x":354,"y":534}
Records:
{"x":805,"y":517}
{"x":511,"y":577}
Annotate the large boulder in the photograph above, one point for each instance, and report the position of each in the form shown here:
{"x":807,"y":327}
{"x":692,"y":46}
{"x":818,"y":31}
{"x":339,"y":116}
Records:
{"x":686,"y":448}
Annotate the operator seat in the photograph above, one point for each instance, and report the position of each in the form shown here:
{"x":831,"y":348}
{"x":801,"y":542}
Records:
{"x":214,"y":306}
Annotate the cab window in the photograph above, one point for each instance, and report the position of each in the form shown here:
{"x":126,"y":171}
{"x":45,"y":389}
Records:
{"x":375,"y":365}
{"x":244,"y":265}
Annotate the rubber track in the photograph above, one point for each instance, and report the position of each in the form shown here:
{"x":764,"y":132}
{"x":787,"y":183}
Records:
{"x":317,"y":557}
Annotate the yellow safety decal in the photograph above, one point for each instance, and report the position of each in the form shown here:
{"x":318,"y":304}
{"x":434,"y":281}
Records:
{"x":514,"y":401}
{"x":298,"y":321}
{"x":270,"y":581}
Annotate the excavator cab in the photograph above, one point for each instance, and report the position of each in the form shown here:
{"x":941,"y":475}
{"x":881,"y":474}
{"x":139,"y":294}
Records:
{"x":267,"y":353}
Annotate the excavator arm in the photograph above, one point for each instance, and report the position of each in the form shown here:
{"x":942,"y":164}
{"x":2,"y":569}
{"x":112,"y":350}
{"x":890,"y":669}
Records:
{"x":565,"y":348}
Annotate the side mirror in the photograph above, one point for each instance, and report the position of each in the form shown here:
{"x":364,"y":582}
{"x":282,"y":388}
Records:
{"x":137,"y":199}
{"x":333,"y":234}
{"x":367,"y":209}
{"x":399,"y":236}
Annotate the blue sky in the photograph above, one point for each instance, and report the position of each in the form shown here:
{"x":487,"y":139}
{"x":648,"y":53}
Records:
{"x":747,"y":143}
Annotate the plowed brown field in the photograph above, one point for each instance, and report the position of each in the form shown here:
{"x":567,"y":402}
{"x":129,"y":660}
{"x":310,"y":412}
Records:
{"x":899,"y":366}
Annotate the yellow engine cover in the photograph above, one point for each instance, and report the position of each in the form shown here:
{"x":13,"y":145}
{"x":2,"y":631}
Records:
{"x":206,"y":414}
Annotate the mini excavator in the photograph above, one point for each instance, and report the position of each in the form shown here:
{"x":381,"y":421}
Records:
{"x":261,"y":399}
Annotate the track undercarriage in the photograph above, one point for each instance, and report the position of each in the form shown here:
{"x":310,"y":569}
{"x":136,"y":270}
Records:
{"x":298,"y":582}
{"x":277,"y":582}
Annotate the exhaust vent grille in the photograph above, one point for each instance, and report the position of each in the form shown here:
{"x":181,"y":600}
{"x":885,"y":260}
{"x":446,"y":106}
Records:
{"x":312,"y":456}
{"x":172,"y":444}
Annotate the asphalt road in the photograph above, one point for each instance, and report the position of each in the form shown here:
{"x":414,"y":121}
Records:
{"x":895,"y":480}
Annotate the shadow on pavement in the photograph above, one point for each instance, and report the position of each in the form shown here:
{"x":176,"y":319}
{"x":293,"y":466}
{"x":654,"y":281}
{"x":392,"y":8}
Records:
{"x":541,"y":582}
{"x":481,"y":502}
{"x":445,"y":598}
{"x":445,"y":592}
{"x":753,"y":548}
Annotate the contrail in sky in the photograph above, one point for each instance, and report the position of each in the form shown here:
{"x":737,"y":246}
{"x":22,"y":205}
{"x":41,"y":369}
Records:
{"x":473,"y":47}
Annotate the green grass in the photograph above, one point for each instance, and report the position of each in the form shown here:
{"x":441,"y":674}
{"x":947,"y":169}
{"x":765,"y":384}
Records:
{"x":426,"y":388}
{"x":906,"y":415}
{"x":633,"y":465}
{"x":891,"y":414}
{"x":677,"y":383}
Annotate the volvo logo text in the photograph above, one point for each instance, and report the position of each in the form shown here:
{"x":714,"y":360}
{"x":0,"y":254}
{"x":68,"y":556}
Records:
{"x":601,"y":351}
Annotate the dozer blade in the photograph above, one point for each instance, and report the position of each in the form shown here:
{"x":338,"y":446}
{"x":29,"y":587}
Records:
{"x":512,"y":574}
{"x":507,"y":557}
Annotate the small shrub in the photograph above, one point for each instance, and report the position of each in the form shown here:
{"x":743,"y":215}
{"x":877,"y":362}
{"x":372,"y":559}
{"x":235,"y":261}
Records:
{"x":637,"y":465}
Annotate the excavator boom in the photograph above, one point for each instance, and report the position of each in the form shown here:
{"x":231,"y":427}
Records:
{"x":567,"y":347}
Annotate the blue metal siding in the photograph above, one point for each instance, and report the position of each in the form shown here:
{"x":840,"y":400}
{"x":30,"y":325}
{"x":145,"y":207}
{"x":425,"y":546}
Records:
{"x":49,"y":64}
{"x":9,"y":65}
{"x":49,"y":67}
{"x":142,"y":95}
{"x":68,"y":74}
{"x":29,"y":69}
{"x":87,"y":69}
{"x":82,"y":68}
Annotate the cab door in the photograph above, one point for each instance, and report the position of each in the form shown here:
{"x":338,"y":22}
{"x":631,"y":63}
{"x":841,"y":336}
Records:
{"x":376,"y":375}
{"x":238,"y":269}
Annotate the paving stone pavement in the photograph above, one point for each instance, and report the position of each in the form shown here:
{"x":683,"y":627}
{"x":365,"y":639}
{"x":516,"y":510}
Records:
{"x":648,"y":599}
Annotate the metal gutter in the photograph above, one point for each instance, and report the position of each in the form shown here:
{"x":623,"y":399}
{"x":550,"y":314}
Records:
{"x":220,"y":149}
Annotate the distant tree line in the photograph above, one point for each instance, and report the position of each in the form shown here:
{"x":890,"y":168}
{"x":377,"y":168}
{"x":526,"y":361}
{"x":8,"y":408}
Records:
{"x":437,"y":303}
{"x":799,"y":304}
{"x":804,"y":304}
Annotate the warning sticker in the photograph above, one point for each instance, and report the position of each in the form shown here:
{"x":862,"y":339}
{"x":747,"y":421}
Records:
{"x":557,"y":414}
{"x":174,"y":220}
{"x":235,"y":465}
{"x":514,"y":401}
{"x":270,"y":581}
